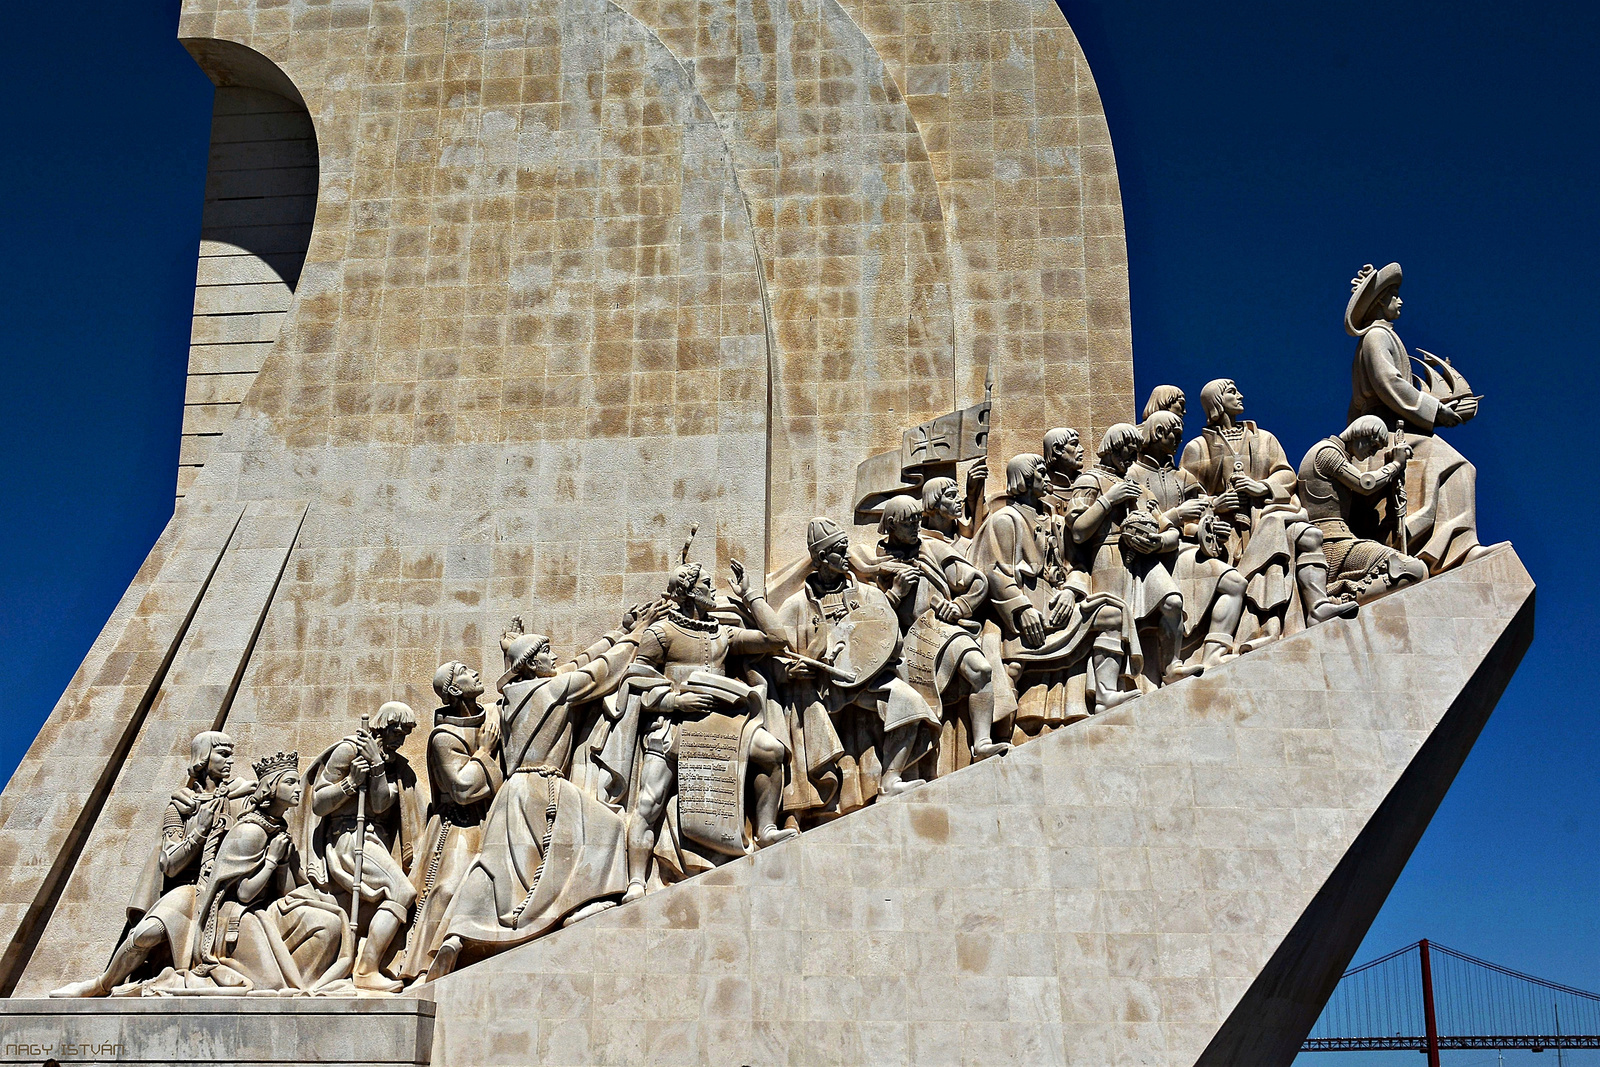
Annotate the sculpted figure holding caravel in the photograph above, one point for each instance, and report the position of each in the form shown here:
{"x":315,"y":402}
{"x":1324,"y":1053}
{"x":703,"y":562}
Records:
{"x":1440,"y":525}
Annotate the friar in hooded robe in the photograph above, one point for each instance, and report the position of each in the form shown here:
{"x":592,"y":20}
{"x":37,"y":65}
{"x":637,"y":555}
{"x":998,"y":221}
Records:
{"x":548,"y":852}
{"x":464,"y":772}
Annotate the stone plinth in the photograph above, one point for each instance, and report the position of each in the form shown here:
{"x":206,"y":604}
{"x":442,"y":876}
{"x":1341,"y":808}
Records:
{"x":238,"y":1031}
{"x":1106,"y":895}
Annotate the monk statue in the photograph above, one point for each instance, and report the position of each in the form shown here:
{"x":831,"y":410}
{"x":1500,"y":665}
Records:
{"x":1333,"y":481}
{"x":1271,"y":542}
{"x":1441,"y":516}
{"x":463,"y":775}
{"x":368,"y":760}
{"x":550,"y":853}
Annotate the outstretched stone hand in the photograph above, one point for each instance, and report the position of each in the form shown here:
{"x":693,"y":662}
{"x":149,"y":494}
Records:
{"x":741,"y":582}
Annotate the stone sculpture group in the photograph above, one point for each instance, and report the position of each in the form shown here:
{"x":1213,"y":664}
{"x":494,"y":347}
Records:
{"x":707,"y":725}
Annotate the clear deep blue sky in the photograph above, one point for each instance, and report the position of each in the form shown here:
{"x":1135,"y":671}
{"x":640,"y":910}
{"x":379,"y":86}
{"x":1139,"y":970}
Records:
{"x":1266,"y":151}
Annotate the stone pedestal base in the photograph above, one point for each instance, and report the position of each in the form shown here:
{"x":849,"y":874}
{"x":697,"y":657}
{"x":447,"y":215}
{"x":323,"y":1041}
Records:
{"x":237,"y":1031}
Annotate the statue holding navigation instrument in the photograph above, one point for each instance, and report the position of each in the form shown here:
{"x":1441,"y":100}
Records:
{"x":864,"y":726}
{"x":1440,"y":524}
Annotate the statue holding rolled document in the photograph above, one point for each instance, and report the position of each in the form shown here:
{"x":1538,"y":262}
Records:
{"x":1441,"y":521}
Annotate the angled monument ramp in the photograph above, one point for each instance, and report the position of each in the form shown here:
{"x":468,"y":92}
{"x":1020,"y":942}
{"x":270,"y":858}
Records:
{"x":1180,"y":881}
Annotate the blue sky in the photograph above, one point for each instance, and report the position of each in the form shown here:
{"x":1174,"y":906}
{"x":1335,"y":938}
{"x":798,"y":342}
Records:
{"x":1266,"y":151}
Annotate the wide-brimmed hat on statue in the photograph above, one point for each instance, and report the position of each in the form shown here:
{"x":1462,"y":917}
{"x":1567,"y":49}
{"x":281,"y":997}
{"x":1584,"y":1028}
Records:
{"x":1365,"y":288}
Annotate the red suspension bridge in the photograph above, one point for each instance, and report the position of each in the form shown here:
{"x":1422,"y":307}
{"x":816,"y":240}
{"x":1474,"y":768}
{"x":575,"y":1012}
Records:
{"x":1426,"y":997}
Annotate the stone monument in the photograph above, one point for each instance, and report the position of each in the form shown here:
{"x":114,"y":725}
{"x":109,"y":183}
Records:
{"x":895,"y":762}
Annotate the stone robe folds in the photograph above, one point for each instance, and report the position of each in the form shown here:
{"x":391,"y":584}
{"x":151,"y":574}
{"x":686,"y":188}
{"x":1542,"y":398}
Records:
{"x":174,"y":861}
{"x":462,"y":784}
{"x":290,"y":937}
{"x":328,"y":842}
{"x":548,"y":848}
{"x":1137,"y":580}
{"x":1262,"y":544}
{"x":1441,"y":486}
{"x":1024,"y":555}
{"x":836,"y":731}
{"x":1196,"y":575}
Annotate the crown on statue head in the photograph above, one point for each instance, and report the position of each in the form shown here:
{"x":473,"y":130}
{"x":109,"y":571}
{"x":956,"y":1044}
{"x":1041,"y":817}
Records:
{"x":276,"y":764}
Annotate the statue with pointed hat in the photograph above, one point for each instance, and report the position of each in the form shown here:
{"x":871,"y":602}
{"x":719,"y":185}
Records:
{"x":859,"y":726}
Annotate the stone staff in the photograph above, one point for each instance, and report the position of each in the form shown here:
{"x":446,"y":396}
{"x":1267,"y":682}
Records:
{"x":361,"y":841}
{"x":1400,"y":489}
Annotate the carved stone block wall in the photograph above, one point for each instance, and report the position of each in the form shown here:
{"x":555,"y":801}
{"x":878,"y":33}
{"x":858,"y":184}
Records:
{"x":580,"y":274}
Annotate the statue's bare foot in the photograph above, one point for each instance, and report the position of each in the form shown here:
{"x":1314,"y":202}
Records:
{"x":1332,"y":609}
{"x":594,"y":908}
{"x":91,"y":988}
{"x":985,"y":749}
{"x":772,"y":835}
{"x":378,"y":982}
{"x":1107,"y":701}
{"x":635,"y":891}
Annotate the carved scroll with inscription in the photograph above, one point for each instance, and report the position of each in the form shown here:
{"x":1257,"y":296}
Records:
{"x":710,"y":779}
